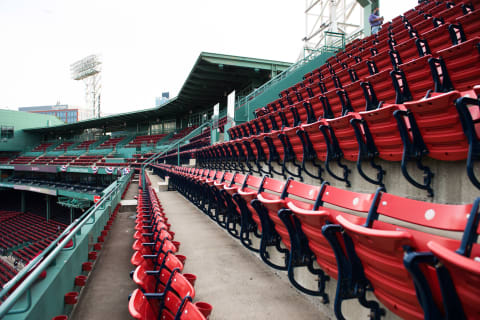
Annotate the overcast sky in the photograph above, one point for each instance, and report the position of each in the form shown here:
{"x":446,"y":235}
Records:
{"x":147,"y":46}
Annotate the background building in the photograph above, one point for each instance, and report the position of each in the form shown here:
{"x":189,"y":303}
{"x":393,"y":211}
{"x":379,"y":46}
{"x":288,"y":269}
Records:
{"x":64,"y":112}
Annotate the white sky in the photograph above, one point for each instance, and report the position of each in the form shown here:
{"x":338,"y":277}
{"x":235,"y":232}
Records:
{"x":147,"y":46}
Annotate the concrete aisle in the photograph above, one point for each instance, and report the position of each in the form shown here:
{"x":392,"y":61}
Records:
{"x":109,"y":284}
{"x":229,"y":277}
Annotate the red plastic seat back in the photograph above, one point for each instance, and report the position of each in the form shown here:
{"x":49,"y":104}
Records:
{"x":463,"y":62}
{"x":440,"y":127}
{"x":139,"y":307}
{"x":384,"y":131}
{"x":191,"y":312}
{"x":345,"y":135}
{"x":317,"y":139}
{"x":427,"y":214}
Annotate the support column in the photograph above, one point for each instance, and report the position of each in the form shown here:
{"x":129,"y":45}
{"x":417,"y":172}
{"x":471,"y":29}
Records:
{"x":23,"y":202}
{"x":178,"y":154}
{"x":230,"y":115}
{"x":71,"y":215}
{"x":47,"y":198}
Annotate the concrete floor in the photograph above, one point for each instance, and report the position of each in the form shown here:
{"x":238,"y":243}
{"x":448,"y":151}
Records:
{"x":229,"y":277}
{"x":109,"y":284}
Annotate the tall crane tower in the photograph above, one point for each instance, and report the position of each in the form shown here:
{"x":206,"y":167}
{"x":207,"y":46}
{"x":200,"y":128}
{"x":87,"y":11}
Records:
{"x":89,"y":70}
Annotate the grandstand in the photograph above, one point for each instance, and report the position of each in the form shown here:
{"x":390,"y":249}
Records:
{"x":347,"y":188}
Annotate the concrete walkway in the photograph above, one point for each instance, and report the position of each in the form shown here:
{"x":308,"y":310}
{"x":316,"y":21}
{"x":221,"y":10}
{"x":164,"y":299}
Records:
{"x":109,"y":284}
{"x":229,"y":277}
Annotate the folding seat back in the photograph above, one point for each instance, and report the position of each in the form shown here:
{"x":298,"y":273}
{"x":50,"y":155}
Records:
{"x":191,"y":312}
{"x":403,"y":35}
{"x":276,"y":120}
{"x":440,"y":126}
{"x":352,"y":98}
{"x":315,"y":107}
{"x":413,"y":80}
{"x":139,"y":306}
{"x":313,"y":138}
{"x":466,"y":27}
{"x":378,"y":90}
{"x":380,"y":62}
{"x":248,"y":192}
{"x":381,"y":247}
{"x":332,"y":106}
{"x":328,"y":203}
{"x":380,"y":128}
{"x":427,"y":6}
{"x":295,"y":141}
{"x":157,"y":279}
{"x":459,"y":284}
{"x":404,"y":52}
{"x":344,"y":77}
{"x":344,"y":136}
{"x":424,"y":26}
{"x":461,"y":63}
{"x":413,"y":19}
{"x":360,"y":70}
{"x":264,"y":122}
{"x":271,"y":196}
{"x":451,"y":14}
{"x":436,"y":39}
{"x":330,"y":83}
{"x":442,"y":6}
{"x":261,"y":147}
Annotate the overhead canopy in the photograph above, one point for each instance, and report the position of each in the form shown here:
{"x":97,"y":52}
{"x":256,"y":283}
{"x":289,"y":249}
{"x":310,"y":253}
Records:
{"x":212,"y":77}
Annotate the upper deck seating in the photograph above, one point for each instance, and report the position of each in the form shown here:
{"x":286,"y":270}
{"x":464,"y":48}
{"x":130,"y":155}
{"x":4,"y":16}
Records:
{"x":149,"y":140}
{"x":63,"y":146}
{"x":110,"y":143}
{"x":43,"y":160}
{"x":42,"y":147}
{"x":85,"y":145}
{"x":23,"y":160}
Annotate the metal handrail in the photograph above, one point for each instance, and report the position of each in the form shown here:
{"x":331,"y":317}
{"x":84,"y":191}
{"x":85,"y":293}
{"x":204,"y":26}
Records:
{"x":154,"y":157}
{"x":50,"y":253}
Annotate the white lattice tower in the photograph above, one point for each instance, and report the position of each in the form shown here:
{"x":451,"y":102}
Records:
{"x":89,"y":70}
{"x":340,"y":16}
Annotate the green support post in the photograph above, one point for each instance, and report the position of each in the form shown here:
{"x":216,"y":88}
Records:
{"x":178,"y":154}
{"x":23,"y":202}
{"x":48,"y":207}
{"x":71,"y":215}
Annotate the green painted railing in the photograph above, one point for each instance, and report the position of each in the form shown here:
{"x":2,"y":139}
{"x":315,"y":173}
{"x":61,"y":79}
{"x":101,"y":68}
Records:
{"x":177,"y":145}
{"x":32,"y":271}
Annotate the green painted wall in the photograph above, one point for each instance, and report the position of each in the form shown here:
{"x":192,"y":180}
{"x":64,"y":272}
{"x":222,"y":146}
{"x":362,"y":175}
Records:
{"x":24,"y":120}
{"x":245,"y":112}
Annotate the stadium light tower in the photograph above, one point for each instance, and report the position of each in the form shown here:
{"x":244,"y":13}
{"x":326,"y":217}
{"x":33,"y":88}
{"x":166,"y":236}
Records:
{"x":338,"y":16}
{"x":88,"y":69}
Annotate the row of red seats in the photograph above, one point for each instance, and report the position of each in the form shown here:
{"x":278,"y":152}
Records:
{"x":164,"y":292}
{"x":85,"y":145}
{"x":110,"y":143}
{"x":411,"y":263}
{"x":7,"y":272}
{"x":42,"y":147}
{"x":182,"y":133}
{"x":27,"y":228}
{"x":379,"y":52}
{"x":149,"y":140}
{"x":426,"y":106}
{"x":23,"y":160}
{"x":63,"y":146}
{"x":86,"y":160}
